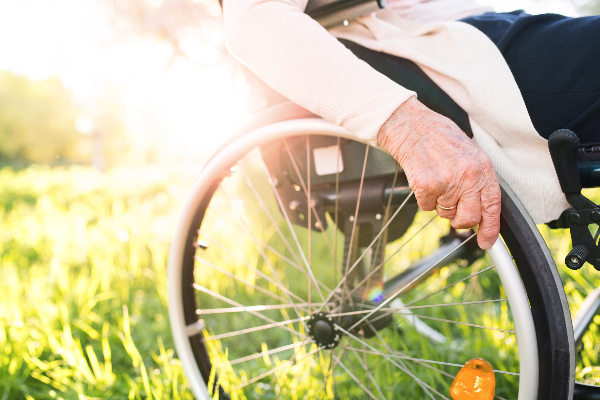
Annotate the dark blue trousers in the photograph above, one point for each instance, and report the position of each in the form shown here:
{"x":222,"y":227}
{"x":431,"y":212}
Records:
{"x":556,"y":63}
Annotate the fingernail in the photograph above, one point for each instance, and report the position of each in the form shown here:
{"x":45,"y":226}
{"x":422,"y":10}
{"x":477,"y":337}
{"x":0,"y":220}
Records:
{"x":486,"y":245}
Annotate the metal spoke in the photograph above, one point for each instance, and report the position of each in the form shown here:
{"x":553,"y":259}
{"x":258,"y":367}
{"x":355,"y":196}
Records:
{"x":336,"y":209}
{"x":307,"y":191}
{"x":382,"y":240}
{"x":410,"y":283}
{"x":367,"y":249}
{"x":393,"y":362}
{"x":266,"y":210}
{"x":287,"y":219}
{"x":431,"y":294}
{"x":262,"y":242}
{"x":255,"y":329}
{"x":264,"y":256}
{"x":450,"y":285}
{"x":269,"y":352}
{"x":251,"y":308}
{"x":332,"y":370}
{"x":287,"y":364}
{"x":394,"y":309}
{"x":393,"y":254}
{"x":421,"y":360}
{"x":308,"y":274}
{"x":237,"y":278}
{"x":371,"y":378}
{"x":259,"y":272}
{"x":354,"y":377}
{"x":456,"y":322}
{"x":236,"y":304}
{"x":299,"y":268}
{"x":387,"y":346}
{"x":346,"y":271}
{"x":310,"y":207}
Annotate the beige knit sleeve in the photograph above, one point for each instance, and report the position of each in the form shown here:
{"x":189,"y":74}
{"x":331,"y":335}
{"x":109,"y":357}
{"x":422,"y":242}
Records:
{"x":297,"y":57}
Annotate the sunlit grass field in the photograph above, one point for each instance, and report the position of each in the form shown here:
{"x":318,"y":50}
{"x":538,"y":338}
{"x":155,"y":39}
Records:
{"x":83,"y":303}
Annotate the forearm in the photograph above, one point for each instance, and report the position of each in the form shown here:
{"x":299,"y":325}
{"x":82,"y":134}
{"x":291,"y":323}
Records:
{"x":297,"y":57}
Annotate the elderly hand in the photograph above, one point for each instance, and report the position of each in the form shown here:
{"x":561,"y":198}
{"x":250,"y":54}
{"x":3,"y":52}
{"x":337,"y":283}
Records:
{"x":444,"y":168}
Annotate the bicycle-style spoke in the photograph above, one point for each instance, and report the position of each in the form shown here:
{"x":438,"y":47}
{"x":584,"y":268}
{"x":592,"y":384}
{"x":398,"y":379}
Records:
{"x":286,"y":364}
{"x":389,"y":349}
{"x":293,"y":232}
{"x":346,"y":264}
{"x":456,"y":322}
{"x":307,"y":192}
{"x":422,"y":360}
{"x":450,"y":285}
{"x":343,"y":279}
{"x":388,"y":258}
{"x":264,"y":256}
{"x":404,"y":369}
{"x":207,"y":311}
{"x":399,"y":291}
{"x":269,"y":352}
{"x":341,"y":364}
{"x":255,"y":329}
{"x":396,"y":309}
{"x":267,"y":212}
{"x":336,"y":211}
{"x":364,"y":365}
{"x":236,"y":304}
{"x":262,"y":242}
{"x":257,"y":271}
{"x":246,"y":283}
{"x":382,"y":240}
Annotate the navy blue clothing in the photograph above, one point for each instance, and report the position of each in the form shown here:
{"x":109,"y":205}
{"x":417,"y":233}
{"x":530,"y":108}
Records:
{"x":556,"y":63}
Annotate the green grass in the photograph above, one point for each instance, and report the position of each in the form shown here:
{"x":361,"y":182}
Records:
{"x":83,"y":310}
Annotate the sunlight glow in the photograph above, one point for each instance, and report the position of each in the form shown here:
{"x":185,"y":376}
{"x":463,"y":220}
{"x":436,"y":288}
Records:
{"x":172,"y":105}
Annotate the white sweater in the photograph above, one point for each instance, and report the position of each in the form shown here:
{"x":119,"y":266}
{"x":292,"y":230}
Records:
{"x":300,"y":59}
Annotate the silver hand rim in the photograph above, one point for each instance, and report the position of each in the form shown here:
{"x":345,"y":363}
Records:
{"x":499,"y":254}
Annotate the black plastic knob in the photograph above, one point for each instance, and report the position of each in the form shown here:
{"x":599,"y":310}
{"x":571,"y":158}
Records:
{"x":576,"y":257}
{"x":563,"y":146}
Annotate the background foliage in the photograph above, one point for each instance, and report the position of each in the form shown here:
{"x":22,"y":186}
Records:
{"x":37,"y":121}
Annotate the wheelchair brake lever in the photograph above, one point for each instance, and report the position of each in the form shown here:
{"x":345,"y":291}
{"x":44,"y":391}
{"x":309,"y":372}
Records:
{"x":563,"y":145}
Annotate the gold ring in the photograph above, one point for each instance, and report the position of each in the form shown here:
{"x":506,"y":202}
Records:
{"x":446,"y":208}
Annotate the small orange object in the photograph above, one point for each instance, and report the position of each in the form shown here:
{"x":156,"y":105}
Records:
{"x":474,"y":381}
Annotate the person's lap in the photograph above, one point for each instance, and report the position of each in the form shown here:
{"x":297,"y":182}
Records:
{"x":556,"y":63}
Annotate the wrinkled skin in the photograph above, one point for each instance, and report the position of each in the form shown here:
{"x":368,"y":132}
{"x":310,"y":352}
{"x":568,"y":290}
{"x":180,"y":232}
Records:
{"x":443,"y":165}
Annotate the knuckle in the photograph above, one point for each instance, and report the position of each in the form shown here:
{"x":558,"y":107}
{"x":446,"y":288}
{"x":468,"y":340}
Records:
{"x":487,"y":167}
{"x":468,"y":221}
{"x":491,"y":205}
{"x":431,"y":186}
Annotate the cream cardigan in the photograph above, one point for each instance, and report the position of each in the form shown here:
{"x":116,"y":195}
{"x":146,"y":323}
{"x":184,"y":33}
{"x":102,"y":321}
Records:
{"x":298,"y":58}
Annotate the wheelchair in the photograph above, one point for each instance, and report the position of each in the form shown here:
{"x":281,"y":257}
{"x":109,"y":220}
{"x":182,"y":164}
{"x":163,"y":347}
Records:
{"x":301,"y":267}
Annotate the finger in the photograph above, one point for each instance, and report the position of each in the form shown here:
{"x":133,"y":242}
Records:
{"x":448,"y":214}
{"x":427,"y":191}
{"x":448,"y":199}
{"x":468,"y":211}
{"x":489,"y":228}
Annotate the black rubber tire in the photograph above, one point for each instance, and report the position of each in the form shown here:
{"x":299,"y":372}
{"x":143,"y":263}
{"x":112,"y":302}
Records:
{"x":546,"y":295}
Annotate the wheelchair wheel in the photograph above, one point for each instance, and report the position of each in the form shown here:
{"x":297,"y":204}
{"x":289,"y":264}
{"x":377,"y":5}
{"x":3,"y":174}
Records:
{"x":302,"y":268}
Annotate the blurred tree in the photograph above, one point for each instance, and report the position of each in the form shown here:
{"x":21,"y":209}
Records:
{"x":587,"y":7}
{"x":37,"y":121}
{"x":191,"y":28}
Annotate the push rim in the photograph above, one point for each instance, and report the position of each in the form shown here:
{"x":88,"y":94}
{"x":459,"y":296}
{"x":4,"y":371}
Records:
{"x":191,"y":218}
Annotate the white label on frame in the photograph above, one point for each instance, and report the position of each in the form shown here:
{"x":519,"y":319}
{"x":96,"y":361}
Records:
{"x":328,"y":160}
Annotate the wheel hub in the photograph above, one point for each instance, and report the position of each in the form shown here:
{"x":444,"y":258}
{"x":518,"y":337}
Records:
{"x":323,"y":331}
